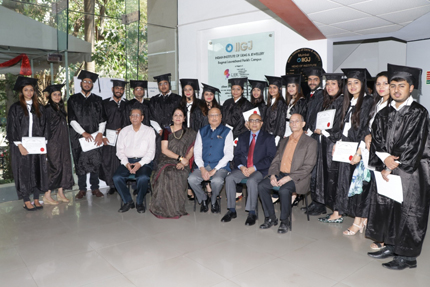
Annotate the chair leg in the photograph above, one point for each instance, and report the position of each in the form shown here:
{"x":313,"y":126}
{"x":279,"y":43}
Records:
{"x":306,"y":202}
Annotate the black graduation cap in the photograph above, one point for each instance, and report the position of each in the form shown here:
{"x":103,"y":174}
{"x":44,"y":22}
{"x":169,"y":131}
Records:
{"x":87,"y":74}
{"x":361,"y":74}
{"x":292,"y":79}
{"x":274,"y":80}
{"x":137,"y":83}
{"x":53,"y":88}
{"x":258,"y":84}
{"x":410,"y":74}
{"x":119,"y":83}
{"x":333,"y":76}
{"x":238,"y":81}
{"x":24,"y":81}
{"x":210,"y":89}
{"x":164,"y":77}
{"x":313,"y":71}
{"x":192,"y":82}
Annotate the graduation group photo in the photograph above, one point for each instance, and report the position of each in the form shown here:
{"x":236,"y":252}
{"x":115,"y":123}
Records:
{"x":214,"y":157}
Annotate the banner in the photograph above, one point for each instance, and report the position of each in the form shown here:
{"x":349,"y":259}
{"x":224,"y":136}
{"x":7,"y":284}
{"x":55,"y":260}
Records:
{"x":25,"y":64}
{"x":251,"y":56}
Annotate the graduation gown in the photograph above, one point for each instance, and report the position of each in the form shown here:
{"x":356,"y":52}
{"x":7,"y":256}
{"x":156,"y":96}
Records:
{"x":58,"y":150}
{"x":232,"y":114}
{"x":327,"y":170}
{"x":161,"y":108}
{"x":343,"y":204}
{"x":198,"y":120}
{"x":404,"y":134}
{"x":301,"y":107}
{"x":88,"y":112}
{"x":314,"y":105}
{"x":115,"y":119}
{"x":135,"y":104}
{"x":275,"y":119}
{"x":30,"y":171}
{"x":262,"y":107}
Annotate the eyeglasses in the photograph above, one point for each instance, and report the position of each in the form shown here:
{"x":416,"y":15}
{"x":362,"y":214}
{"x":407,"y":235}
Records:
{"x":135,"y":115}
{"x":295,"y":122}
{"x":138,"y":89}
{"x":254,"y":121}
{"x":163,"y":84}
{"x":87,"y":82}
{"x":214,"y":115}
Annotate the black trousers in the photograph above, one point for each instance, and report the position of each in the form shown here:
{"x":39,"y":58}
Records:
{"x":285,"y":191}
{"x":94,"y":181}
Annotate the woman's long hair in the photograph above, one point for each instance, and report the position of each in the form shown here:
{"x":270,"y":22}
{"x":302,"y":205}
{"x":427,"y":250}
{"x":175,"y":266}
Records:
{"x":184,"y":100}
{"x":278,"y":98}
{"x":34,"y":99}
{"x":299,"y":95}
{"x":204,"y":107}
{"x":57,"y":107}
{"x":376,"y":96}
{"x":327,"y":99}
{"x":257,"y":101}
{"x":355,"y":118}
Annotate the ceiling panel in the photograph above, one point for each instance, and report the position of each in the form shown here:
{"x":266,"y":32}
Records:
{"x":406,"y":15}
{"x":361,"y":24}
{"x":311,"y":6}
{"x":330,"y":30}
{"x":387,"y":6}
{"x":336,"y":15}
{"x":350,"y":2}
{"x":341,"y":35}
{"x":384,"y":29}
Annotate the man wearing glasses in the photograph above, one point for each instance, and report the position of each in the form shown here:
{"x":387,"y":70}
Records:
{"x":140,"y":90}
{"x":253,"y":154}
{"x":213,"y":151}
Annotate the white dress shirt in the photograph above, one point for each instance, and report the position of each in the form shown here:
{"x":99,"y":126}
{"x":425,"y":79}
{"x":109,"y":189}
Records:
{"x":139,"y":144}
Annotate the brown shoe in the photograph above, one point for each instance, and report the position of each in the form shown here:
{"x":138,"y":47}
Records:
{"x":97,"y":193}
{"x":81,"y":194}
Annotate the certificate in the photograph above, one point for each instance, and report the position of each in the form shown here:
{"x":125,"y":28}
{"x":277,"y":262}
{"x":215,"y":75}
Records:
{"x":247,"y":114}
{"x":235,"y":141}
{"x":325,"y":119}
{"x":111,"y":136}
{"x":344,"y":151}
{"x":34,"y":145}
{"x":87,"y":146}
{"x":392,"y":189}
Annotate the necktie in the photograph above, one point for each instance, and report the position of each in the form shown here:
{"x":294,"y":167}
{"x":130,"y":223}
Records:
{"x":312,"y":93}
{"x":250,"y":161}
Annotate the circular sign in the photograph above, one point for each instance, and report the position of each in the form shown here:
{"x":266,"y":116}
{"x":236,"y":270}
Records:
{"x":229,"y":48}
{"x":302,"y":58}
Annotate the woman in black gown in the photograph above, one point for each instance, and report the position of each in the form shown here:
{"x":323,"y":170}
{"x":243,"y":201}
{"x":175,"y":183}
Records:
{"x":58,"y":149}
{"x":189,"y":101}
{"x":233,"y":109}
{"x":274,"y":120}
{"x":257,"y":95}
{"x":207,"y":102}
{"x":295,"y":99}
{"x":355,"y":118}
{"x":26,"y":119}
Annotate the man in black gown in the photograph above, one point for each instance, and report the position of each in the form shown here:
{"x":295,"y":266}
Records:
{"x":115,"y":111}
{"x":400,"y":136}
{"x":139,"y":90}
{"x":315,"y":101}
{"x":162,"y":105}
{"x":86,"y":117}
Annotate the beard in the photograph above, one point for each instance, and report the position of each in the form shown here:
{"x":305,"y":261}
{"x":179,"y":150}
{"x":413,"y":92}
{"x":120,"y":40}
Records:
{"x":86,"y":91}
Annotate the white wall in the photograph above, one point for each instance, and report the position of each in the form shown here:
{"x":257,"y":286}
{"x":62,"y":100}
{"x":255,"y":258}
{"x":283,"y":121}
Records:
{"x":200,"y":21}
{"x":418,"y":56}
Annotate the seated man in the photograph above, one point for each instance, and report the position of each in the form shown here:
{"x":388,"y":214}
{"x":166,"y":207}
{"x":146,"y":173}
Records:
{"x":213,"y":150}
{"x":253,"y":154}
{"x":135,"y":148}
{"x":290,"y":171}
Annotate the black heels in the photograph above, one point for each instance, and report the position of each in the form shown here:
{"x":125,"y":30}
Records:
{"x":298,"y":198}
{"x":190,"y":197}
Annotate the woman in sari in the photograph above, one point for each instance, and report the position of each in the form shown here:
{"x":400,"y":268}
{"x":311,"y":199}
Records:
{"x":170,"y":184}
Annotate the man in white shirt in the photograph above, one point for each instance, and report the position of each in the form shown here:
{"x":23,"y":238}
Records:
{"x":213,"y":151}
{"x":136,"y":150}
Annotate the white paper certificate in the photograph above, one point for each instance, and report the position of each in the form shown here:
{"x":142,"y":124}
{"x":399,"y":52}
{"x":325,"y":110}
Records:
{"x":34,"y":145}
{"x":325,"y":119}
{"x":247,"y":114}
{"x":344,"y":151}
{"x":391,"y":189}
{"x":87,"y":146}
{"x":111,"y":136}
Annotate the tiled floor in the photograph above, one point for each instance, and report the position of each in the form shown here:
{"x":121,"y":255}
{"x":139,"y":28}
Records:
{"x":88,"y":243}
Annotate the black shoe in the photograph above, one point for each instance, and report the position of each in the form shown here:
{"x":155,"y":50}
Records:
{"x":126,"y":207}
{"x":381,"y":254}
{"x":317,"y":211}
{"x":29,"y":209}
{"x":228,"y":216}
{"x":190,"y":197}
{"x":400,"y":263}
{"x":140,"y":208}
{"x":298,"y":198}
{"x":283,"y":227}
{"x":310,"y":207}
{"x":251,"y":219}
{"x":112,"y":190}
{"x":269,"y":223}
{"x":215,"y":208}
{"x":204,"y":206}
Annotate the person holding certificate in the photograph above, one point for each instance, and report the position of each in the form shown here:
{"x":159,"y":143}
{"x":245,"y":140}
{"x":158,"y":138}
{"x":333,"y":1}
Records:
{"x":87,"y":121}
{"x":26,"y":119}
{"x":274,"y":119}
{"x":400,"y":146}
{"x":140,"y":89}
{"x":115,"y":111}
{"x":354,"y":125}
{"x":257,"y":95}
{"x":58,"y":148}
{"x":233,"y":109}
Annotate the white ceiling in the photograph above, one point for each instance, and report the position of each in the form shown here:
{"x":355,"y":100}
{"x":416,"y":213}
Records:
{"x":352,"y":19}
